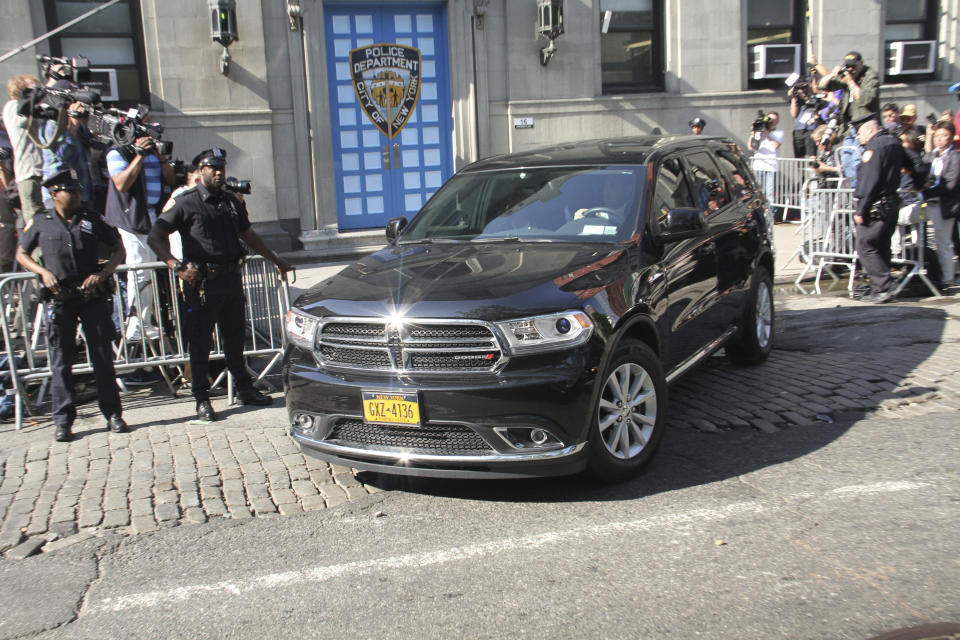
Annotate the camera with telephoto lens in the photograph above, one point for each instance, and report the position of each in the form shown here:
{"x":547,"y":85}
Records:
{"x":123,"y":128}
{"x":76,"y":68}
{"x":760,"y":123}
{"x":932,"y":118}
{"x":237,"y":186}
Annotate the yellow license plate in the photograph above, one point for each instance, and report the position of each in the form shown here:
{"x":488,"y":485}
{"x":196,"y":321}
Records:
{"x":385,"y":407}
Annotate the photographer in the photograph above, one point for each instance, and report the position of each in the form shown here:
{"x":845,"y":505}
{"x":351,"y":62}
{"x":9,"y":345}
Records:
{"x":803,"y":110}
{"x":27,"y":158}
{"x":137,"y":176}
{"x":861,"y":97}
{"x":70,"y":151}
{"x":765,"y":141}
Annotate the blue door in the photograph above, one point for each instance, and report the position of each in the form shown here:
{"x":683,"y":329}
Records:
{"x":390,"y":108}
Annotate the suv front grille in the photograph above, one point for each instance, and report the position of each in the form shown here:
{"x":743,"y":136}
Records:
{"x":427,"y":439}
{"x":423,"y":346}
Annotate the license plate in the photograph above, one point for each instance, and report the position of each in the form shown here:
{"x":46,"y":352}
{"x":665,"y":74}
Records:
{"x":387,"y":407}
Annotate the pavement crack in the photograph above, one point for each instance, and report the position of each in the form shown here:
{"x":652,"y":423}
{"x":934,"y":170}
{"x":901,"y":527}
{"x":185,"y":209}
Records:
{"x":104,"y":551}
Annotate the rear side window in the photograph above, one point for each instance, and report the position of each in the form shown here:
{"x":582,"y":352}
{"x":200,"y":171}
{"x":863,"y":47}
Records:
{"x":709,"y":186}
{"x":671,"y":192}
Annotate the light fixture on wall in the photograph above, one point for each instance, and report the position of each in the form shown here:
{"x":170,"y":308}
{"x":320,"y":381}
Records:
{"x":549,"y":26}
{"x":479,"y":11}
{"x":223,"y":28}
{"x":294,"y":15}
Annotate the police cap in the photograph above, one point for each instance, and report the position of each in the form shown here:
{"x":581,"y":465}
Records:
{"x":862,"y":119}
{"x":215,"y":157}
{"x":697,"y":122}
{"x":66,"y":179}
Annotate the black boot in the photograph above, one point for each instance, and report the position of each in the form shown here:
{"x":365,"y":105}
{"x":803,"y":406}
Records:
{"x":62,"y":434}
{"x":116,"y":424}
{"x":205,"y":411}
{"x":252,"y":396}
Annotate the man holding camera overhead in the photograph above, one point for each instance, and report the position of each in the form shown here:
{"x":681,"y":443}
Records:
{"x":137,"y":176}
{"x":861,"y":97}
{"x":212,"y":221}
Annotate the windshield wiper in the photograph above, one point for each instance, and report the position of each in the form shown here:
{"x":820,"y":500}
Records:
{"x":512,"y":239}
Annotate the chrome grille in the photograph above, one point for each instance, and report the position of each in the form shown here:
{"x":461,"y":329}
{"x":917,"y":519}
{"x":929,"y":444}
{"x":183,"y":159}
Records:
{"x":421,"y":346}
{"x":426,"y":439}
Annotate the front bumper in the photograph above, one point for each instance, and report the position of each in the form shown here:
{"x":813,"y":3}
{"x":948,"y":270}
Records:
{"x":462,"y":419}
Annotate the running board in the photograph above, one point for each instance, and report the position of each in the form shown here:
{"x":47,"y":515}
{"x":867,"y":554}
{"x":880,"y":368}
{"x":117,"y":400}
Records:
{"x":708,"y":349}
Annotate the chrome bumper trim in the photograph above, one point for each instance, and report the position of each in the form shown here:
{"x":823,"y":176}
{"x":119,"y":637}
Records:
{"x":406,"y":458}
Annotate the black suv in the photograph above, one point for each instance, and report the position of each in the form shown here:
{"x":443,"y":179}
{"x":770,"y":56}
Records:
{"x":528,"y":319}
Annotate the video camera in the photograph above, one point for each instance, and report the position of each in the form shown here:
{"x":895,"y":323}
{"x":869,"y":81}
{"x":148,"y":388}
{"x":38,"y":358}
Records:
{"x":180,"y":171}
{"x":238,"y":186}
{"x":77,"y":68}
{"x":47,"y":103}
{"x":123,"y":128}
{"x":760,"y":122}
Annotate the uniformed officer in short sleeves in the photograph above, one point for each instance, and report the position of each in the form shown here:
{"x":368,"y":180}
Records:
{"x":211,"y":222}
{"x":78,"y":288}
{"x":878,"y":178}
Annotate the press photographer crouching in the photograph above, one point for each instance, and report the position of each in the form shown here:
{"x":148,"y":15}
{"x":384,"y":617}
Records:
{"x":78,"y":288}
{"x":804,"y":107}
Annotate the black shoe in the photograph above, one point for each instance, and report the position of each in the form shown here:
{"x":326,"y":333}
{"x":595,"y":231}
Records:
{"x":205,"y":411}
{"x":116,"y":424}
{"x":62,"y":434}
{"x":252,"y":396}
{"x":880,"y":297}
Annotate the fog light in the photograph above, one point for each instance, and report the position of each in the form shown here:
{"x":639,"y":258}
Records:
{"x":303,"y":421}
{"x":538,"y":436}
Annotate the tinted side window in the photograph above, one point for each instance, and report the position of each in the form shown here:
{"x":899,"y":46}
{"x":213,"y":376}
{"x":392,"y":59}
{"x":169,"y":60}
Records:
{"x":738,"y":178}
{"x":709,"y":186}
{"x":670,"y":192}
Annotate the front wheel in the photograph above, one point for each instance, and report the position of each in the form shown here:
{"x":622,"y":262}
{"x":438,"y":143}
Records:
{"x":628,"y":420}
{"x":752,"y":345}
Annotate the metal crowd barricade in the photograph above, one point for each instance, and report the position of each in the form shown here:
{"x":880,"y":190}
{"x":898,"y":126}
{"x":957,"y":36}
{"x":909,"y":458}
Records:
{"x":828,"y":240}
{"x":792,"y":174}
{"x":25,"y":343}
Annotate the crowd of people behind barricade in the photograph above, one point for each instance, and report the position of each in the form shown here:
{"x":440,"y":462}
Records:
{"x":74,"y":207}
{"x":834,"y":111}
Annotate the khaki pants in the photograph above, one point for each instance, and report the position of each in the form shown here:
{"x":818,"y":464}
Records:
{"x":31,"y":198}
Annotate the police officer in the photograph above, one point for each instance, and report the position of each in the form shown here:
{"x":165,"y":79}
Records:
{"x":211,"y":222}
{"x":697,"y":125}
{"x":78,"y":288}
{"x":878,"y":177}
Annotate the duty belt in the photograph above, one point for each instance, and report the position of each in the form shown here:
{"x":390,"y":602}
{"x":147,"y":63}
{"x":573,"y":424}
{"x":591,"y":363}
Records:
{"x":213,"y":270}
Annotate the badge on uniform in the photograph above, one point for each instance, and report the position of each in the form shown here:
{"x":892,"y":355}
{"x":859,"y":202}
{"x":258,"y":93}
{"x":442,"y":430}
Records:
{"x":86,"y":226}
{"x":866,"y":155}
{"x":168,"y":205}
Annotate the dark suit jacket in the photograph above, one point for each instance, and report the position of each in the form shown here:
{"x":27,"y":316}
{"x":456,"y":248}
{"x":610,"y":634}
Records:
{"x":948,"y":189}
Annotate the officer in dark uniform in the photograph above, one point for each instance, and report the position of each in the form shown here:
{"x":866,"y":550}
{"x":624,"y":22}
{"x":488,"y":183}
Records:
{"x":77,"y":288}
{"x":211,"y":222}
{"x":878,"y":177}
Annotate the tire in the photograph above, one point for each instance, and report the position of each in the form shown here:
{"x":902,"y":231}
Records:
{"x":624,"y":439}
{"x":755,"y":339}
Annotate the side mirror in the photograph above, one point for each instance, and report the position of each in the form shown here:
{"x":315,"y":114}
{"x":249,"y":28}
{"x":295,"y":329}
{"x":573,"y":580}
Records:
{"x":394,"y":227}
{"x":682,"y":224}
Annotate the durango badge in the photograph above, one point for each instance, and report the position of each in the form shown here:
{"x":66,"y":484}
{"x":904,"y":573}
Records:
{"x":386,"y":78}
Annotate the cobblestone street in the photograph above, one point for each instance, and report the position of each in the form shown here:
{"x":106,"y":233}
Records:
{"x":831,"y":356}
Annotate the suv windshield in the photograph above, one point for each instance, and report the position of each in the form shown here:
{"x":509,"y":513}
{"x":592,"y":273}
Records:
{"x":576,"y":204}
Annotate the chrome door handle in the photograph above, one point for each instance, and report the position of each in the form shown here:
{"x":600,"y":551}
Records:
{"x":397,"y":161}
{"x":386,"y":156}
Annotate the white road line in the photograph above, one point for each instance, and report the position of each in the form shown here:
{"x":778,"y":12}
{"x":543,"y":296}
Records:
{"x":441,"y":556}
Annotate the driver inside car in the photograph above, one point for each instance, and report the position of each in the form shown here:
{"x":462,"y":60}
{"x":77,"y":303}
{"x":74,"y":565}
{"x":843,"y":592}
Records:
{"x":616,"y":194}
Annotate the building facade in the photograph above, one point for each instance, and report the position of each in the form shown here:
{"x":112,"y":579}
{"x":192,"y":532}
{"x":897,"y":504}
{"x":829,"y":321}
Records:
{"x":345,"y":114}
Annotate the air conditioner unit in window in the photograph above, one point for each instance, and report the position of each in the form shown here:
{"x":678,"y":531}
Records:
{"x":911,"y":56}
{"x":775,"y":60}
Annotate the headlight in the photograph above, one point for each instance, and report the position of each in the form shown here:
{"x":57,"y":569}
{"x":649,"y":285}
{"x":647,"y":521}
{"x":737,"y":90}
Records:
{"x":301,"y":328}
{"x":547,"y":333}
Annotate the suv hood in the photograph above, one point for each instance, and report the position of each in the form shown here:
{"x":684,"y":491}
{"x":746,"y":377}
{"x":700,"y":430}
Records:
{"x":469,"y":280}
